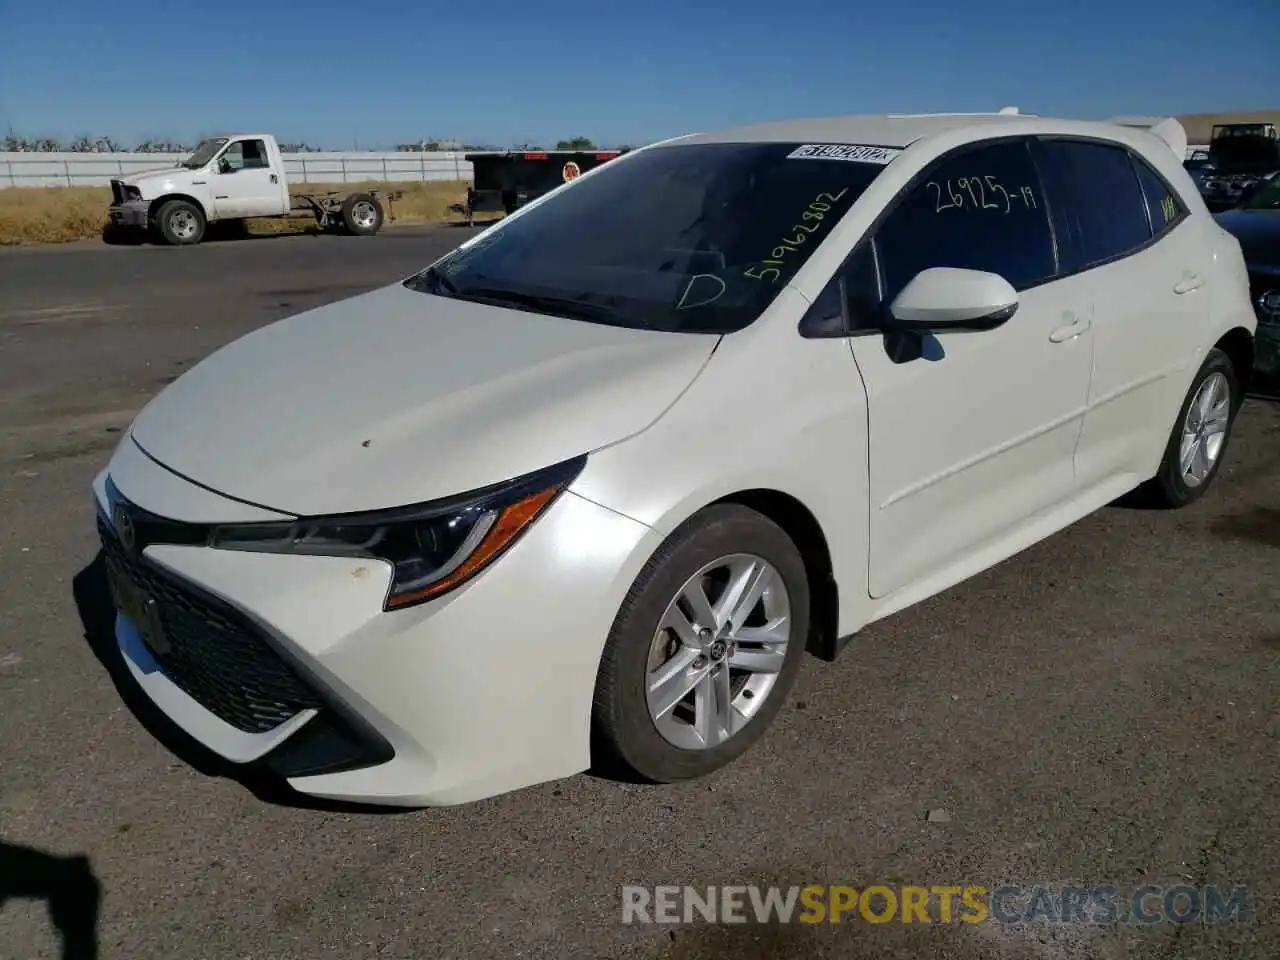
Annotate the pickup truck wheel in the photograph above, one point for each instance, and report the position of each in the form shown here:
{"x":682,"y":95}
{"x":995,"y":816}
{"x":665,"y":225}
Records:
{"x":180,"y":223}
{"x":704,"y":648}
{"x":361,"y":215}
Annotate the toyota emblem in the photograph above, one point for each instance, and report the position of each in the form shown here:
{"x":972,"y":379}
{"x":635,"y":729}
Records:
{"x":124,"y":528}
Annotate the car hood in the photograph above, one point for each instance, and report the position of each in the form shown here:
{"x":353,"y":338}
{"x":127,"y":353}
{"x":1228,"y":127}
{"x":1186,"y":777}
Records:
{"x":1258,"y":232}
{"x":139,"y":176}
{"x":398,"y":397}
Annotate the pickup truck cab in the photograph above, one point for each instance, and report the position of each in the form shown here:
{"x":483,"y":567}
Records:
{"x":229,"y":178}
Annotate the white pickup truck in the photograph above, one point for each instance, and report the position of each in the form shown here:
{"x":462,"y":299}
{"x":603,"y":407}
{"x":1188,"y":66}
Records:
{"x":231,"y":178}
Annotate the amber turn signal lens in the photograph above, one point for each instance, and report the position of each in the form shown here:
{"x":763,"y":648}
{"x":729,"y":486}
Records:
{"x":513,"y":520}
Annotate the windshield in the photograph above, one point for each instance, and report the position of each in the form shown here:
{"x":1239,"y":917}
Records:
{"x":204,"y":152}
{"x":1265,"y":196}
{"x":697,"y":238}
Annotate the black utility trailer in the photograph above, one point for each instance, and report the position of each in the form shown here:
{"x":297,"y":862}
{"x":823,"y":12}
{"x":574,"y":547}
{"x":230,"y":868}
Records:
{"x":505,"y":182}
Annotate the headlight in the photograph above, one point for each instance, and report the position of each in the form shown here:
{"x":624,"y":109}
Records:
{"x":432,"y":548}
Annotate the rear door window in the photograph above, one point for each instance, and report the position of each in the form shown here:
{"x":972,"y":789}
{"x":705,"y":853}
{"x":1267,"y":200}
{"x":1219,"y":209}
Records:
{"x":1104,"y":198}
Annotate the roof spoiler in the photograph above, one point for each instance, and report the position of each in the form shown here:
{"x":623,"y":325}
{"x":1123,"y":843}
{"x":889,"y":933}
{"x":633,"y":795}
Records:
{"x":1167,"y":129}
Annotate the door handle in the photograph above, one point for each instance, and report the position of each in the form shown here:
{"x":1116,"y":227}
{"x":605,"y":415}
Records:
{"x":1189,"y":282}
{"x":1071,"y":329}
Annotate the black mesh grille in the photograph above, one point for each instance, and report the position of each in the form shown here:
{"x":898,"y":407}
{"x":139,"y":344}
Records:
{"x":217,"y":658}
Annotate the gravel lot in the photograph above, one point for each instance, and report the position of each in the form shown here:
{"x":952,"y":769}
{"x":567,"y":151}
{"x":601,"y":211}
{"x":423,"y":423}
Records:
{"x":1101,"y":709}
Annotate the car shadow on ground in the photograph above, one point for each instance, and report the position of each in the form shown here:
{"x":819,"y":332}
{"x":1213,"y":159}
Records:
{"x":98,"y":617}
{"x":66,"y":884}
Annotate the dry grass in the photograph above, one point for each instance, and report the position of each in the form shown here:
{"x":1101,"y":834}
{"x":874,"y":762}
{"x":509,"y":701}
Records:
{"x":30,"y":215}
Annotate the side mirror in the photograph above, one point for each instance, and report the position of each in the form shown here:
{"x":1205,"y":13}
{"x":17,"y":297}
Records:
{"x":945,"y":299}
{"x":224,"y":165}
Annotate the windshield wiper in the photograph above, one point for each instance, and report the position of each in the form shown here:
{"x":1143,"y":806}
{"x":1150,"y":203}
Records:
{"x":538,"y":303}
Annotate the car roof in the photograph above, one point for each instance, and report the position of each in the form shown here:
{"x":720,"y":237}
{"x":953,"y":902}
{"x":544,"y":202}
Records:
{"x":902,"y":130}
{"x":879,"y":129}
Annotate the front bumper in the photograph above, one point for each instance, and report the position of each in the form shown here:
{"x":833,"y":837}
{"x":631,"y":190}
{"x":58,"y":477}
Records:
{"x":480,"y":692}
{"x":132,"y":214}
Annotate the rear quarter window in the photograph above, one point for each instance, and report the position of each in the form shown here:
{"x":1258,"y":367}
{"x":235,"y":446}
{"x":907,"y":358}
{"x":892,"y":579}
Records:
{"x":1164,"y":208}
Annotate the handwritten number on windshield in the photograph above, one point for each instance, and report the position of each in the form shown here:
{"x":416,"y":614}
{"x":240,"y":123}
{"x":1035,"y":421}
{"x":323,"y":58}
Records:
{"x":810,"y":220}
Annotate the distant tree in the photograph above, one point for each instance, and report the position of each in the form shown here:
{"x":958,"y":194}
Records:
{"x":86,"y":144}
{"x":13,"y":143}
{"x":161,"y":145}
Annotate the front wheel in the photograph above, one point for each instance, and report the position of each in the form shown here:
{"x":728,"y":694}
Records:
{"x":705,"y":647}
{"x":1199,"y":439}
{"x":180,"y":223}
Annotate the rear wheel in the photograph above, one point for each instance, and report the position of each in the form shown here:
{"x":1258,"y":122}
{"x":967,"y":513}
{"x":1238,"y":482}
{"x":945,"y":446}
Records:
{"x":362,"y":215}
{"x":705,"y":647}
{"x":1199,"y":439}
{"x":180,"y":223}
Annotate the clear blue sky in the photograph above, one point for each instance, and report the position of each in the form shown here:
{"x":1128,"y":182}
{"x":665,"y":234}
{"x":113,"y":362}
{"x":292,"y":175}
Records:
{"x":504,"y":71}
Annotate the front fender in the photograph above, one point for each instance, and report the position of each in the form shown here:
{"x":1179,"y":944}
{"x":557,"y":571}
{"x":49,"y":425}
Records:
{"x":154,"y":205}
{"x":773,"y":412}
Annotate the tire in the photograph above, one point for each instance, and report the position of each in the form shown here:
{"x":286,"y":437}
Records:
{"x":627,"y":728}
{"x":180,"y":223}
{"x":1173,"y":487}
{"x":362,"y":215}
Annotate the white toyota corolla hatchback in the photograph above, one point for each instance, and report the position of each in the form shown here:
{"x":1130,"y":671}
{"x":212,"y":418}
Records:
{"x":597,"y":479}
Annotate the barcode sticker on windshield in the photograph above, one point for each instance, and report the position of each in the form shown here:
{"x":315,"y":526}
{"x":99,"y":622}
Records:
{"x":853,"y":152}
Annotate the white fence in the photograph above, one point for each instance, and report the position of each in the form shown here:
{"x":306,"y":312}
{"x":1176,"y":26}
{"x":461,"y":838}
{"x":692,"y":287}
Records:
{"x":97,"y":169}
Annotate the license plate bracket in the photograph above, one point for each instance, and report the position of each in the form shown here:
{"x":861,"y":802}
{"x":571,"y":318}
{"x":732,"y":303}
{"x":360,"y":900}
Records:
{"x":140,"y":609}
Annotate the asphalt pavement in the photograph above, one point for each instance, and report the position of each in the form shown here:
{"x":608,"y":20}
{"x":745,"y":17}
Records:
{"x":1102,"y":709}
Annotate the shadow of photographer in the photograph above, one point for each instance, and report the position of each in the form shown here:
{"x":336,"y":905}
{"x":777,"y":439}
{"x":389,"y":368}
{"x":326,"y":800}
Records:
{"x":66,"y":884}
